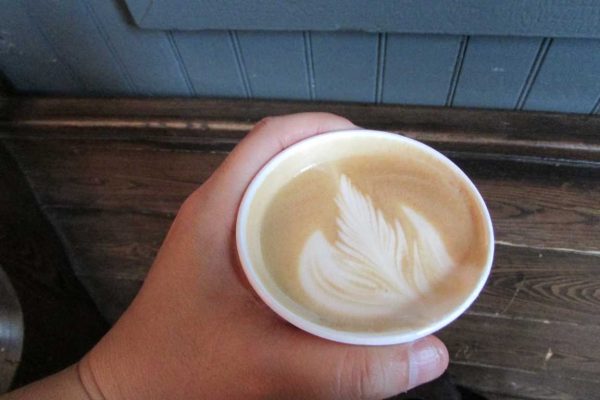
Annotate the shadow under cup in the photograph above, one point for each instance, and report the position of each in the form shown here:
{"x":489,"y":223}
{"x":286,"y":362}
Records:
{"x":428,"y":311}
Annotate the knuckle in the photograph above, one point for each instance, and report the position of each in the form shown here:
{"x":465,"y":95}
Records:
{"x":262,"y":123}
{"x":192,"y":203}
{"x":365,"y":377}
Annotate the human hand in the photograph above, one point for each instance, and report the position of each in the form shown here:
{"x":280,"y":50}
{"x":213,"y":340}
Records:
{"x":197,"y":329}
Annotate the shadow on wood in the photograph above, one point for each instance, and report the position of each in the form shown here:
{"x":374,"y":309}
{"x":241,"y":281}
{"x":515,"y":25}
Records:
{"x":61,"y":321}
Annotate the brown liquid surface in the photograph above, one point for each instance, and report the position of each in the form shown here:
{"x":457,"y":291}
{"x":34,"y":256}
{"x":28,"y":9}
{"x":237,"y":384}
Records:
{"x":391,"y":180}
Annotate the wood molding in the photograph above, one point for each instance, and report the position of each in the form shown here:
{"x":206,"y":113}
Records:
{"x":532,"y":136}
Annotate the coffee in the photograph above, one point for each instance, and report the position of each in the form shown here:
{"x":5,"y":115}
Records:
{"x":369,"y":235}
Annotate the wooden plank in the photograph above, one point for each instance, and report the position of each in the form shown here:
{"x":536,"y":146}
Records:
{"x":32,"y":256}
{"x":494,"y":71}
{"x":112,"y":295}
{"x":114,"y":175}
{"x":569,"y":350}
{"x":578,"y":18}
{"x":156,"y":113}
{"x":26,"y":52}
{"x":543,"y":206}
{"x":209,"y":60}
{"x":146,"y":56}
{"x":120,"y":245}
{"x":345,"y":66}
{"x":529,"y":203}
{"x":91,"y":57}
{"x":568,"y":79}
{"x":418,"y":68}
{"x":497,"y":396}
{"x":275,"y":64}
{"x":578,"y":148}
{"x":507,"y":383}
{"x":541,"y":285}
{"x":112,"y":252}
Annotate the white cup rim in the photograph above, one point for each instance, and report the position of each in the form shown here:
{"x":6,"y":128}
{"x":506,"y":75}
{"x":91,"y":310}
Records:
{"x":358,"y":338}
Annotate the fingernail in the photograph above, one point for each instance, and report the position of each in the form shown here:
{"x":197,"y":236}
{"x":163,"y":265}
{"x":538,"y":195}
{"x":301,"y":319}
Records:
{"x":427,"y":361}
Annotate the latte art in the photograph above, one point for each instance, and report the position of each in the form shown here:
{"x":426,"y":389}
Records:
{"x":371,"y":234}
{"x":376,"y":265}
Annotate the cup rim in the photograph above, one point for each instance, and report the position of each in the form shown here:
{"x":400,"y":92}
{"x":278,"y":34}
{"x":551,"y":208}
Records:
{"x":338,"y":335}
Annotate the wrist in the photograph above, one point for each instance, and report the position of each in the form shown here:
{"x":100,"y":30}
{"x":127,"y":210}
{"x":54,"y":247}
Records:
{"x":87,"y":380}
{"x":66,"y":385}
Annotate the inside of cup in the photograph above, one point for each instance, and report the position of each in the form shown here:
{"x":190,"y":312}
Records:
{"x":420,"y":316}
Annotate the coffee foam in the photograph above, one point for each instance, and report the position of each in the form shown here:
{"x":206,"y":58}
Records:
{"x":374,"y":267}
{"x":307,"y":235}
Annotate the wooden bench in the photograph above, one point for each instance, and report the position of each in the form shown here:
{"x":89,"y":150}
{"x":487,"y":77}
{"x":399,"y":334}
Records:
{"x":110,"y":175}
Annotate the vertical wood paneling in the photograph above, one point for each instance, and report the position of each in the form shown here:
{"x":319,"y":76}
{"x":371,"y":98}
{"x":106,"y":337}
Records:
{"x":457,"y":69}
{"x":494,"y":71}
{"x":275,"y":64}
{"x":240,"y":64}
{"x":418,"y":68}
{"x":345,"y":66}
{"x":92,"y":47}
{"x":568,"y":79}
{"x":81,"y":44}
{"x":27,"y":59}
{"x":210,"y":62}
{"x":147,"y":56}
{"x":310,"y":64}
{"x":533,"y":72}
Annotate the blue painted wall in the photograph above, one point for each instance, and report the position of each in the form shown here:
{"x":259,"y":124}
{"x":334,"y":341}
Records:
{"x":94,"y":47}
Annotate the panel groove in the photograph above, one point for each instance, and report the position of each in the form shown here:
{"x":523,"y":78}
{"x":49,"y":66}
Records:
{"x":460,"y":58}
{"x":147,"y":10}
{"x":113,"y":52}
{"x":310,"y":65}
{"x":596,"y":108}
{"x":181,"y":64}
{"x":533,"y":72}
{"x":76,"y":78}
{"x":381,"y":59}
{"x":239,"y":60}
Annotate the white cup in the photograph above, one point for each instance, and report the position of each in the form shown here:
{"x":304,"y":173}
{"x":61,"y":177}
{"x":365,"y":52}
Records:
{"x":290,"y":311}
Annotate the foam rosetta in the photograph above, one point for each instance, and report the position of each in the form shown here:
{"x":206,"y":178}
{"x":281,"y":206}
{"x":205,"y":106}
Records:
{"x":375,"y":266}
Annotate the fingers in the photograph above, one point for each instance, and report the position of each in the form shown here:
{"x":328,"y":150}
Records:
{"x":269,"y":137}
{"x":368,"y":372}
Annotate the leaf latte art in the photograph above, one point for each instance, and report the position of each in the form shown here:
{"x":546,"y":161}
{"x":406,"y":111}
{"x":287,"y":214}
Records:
{"x":376,"y":265}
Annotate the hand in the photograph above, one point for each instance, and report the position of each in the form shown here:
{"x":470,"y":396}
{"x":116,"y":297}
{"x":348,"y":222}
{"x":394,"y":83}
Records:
{"x":197,"y":329}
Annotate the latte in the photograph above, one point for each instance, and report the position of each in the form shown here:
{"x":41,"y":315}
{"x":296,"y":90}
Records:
{"x":368,"y":234}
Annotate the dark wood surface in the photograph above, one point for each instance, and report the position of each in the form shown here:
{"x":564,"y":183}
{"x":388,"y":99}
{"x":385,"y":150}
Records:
{"x":111,"y":174}
{"x":60,"y":320}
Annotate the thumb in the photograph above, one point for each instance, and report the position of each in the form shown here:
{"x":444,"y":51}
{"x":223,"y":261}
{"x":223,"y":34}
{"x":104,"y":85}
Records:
{"x":334,"y":370}
{"x":269,"y":137}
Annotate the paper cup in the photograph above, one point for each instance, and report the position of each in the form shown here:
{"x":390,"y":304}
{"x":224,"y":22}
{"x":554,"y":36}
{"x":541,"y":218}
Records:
{"x":291,"y":311}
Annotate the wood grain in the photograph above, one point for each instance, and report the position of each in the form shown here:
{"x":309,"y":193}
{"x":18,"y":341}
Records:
{"x":111,"y":174}
{"x":517,"y":125}
{"x":539,"y":318}
{"x":60,"y":320}
{"x":503,"y":382}
{"x":542,"y":285}
{"x":531,"y":204}
{"x":121,"y":244}
{"x":566,"y":349}
{"x":111,"y":294}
